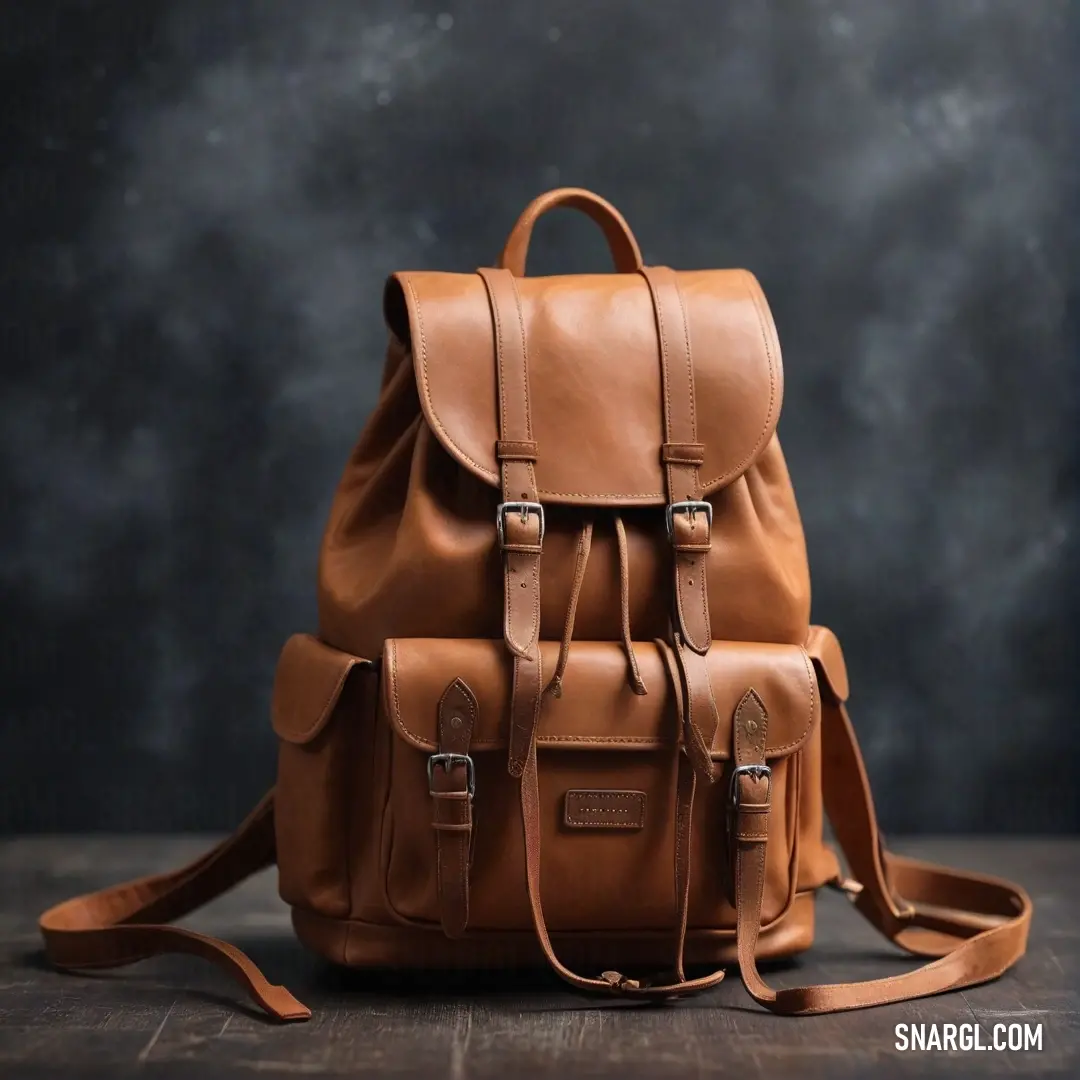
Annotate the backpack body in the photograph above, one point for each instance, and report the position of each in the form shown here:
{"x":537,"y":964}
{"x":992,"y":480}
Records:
{"x":565,"y":702}
{"x":411,"y":582}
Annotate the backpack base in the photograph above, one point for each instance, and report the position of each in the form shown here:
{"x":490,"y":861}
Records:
{"x":353,"y":943}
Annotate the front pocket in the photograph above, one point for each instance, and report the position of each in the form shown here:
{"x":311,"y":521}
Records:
{"x":607,"y":766}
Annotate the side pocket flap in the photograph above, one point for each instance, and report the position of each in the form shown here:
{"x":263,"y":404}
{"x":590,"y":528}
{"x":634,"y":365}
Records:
{"x":827,"y":655}
{"x":307,"y":684}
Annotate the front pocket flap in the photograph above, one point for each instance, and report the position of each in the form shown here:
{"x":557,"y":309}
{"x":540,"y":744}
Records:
{"x":307,"y":684}
{"x":597,"y":708}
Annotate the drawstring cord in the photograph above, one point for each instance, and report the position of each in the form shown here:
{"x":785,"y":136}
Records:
{"x":584,"y":547}
{"x":636,"y":681}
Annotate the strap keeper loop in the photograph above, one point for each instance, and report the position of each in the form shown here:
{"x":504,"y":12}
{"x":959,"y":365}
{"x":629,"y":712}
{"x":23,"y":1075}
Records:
{"x":515,"y":450}
{"x":673,"y":453}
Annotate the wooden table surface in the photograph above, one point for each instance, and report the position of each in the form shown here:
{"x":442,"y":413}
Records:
{"x":178,"y":1017}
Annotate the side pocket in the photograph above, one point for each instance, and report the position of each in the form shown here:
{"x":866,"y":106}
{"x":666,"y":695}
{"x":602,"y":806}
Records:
{"x":319,"y":717}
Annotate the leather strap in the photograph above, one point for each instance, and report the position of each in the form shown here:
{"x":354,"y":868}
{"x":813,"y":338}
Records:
{"x":976,"y":926}
{"x":637,"y":683}
{"x":122,"y":924}
{"x":451,"y":788}
{"x":700,"y":719}
{"x":610,"y":981}
{"x":522,"y":532}
{"x":624,"y":248}
{"x":686,"y":787}
{"x":581,"y":563}
{"x":681,"y":454}
{"x":613,"y":981}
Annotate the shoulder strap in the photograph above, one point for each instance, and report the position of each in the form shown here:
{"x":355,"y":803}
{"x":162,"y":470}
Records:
{"x":123,"y":924}
{"x":974,"y":926}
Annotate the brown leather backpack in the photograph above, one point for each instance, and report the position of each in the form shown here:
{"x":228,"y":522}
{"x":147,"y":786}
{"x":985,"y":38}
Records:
{"x":566,"y":701}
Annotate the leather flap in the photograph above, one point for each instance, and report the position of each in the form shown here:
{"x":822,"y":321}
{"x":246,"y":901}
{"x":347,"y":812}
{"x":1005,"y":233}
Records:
{"x":828,"y":657}
{"x":307,"y":684}
{"x":597,"y":708}
{"x":595,"y":394}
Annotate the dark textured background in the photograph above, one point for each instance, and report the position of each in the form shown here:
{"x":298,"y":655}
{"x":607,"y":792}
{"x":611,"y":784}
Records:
{"x":199,"y":204}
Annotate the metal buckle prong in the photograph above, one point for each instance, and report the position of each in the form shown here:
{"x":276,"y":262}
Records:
{"x":756,"y":771}
{"x":522,"y":508}
{"x":691,"y":507}
{"x":448,"y":761}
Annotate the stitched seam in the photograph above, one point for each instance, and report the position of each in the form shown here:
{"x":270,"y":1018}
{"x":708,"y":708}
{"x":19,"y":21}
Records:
{"x":595,"y":740}
{"x":458,"y":845}
{"x":625,"y":496}
{"x":498,"y":348}
{"x":678,"y":845}
{"x":605,"y":825}
{"x":698,"y":564}
{"x":731,"y":473}
{"x":810,"y":721}
{"x":700,"y":571}
{"x":524,"y":361}
{"x":534,"y":629}
{"x":741,"y":732}
{"x":331,"y":700}
{"x":600,"y":795}
{"x":663,"y":350}
{"x":548,"y":740}
{"x":463,"y":869}
{"x":511,"y":561}
{"x":434,"y":418}
{"x":391,"y":653}
{"x":689,"y":357}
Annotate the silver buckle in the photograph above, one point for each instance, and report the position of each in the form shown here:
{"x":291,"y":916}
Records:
{"x":691,"y":507}
{"x":448,"y":761}
{"x":756,"y":771}
{"x":522,"y":508}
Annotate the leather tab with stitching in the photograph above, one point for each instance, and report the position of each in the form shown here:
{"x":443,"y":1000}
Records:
{"x":452,"y":804}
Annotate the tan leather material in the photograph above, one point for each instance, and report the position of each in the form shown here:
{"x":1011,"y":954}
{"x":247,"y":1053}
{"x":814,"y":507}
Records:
{"x":598,"y":735}
{"x":522,"y":532}
{"x":581,"y":564}
{"x":309,"y":679}
{"x":598,"y":711}
{"x":822,"y":645}
{"x":636,"y":681}
{"x":380,"y":945}
{"x":591,"y":809}
{"x":749,"y":793}
{"x":624,"y":248}
{"x":682,"y":453}
{"x":970,"y":946}
{"x":506,"y":450}
{"x":596,"y":730}
{"x":701,"y":718}
{"x":407,"y":521}
{"x":691,"y":535}
{"x":123,"y":924}
{"x":607,"y":430}
{"x":609,"y":981}
{"x":452,"y":804}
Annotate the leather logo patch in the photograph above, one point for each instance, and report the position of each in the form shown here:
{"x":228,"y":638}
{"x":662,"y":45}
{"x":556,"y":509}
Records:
{"x":605,"y":809}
